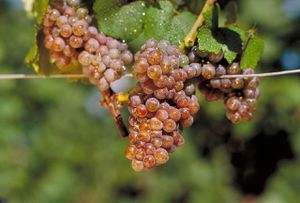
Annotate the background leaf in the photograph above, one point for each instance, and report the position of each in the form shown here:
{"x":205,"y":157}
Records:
{"x":231,"y":11}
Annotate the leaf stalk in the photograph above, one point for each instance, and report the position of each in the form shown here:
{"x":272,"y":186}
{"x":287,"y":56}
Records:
{"x":191,"y":37}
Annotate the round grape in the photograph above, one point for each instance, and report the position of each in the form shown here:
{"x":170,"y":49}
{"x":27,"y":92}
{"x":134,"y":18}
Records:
{"x":137,"y":165}
{"x":58,"y":44}
{"x":161,"y":156}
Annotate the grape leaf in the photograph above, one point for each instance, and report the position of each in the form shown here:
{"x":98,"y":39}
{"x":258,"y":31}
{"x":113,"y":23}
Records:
{"x":33,"y":54}
{"x":207,"y":41}
{"x":106,"y":8}
{"x":162,"y":23}
{"x":214,"y":40}
{"x":211,"y":17}
{"x":138,"y":21}
{"x":253,"y":52}
{"x":185,"y":21}
{"x":124,"y":23}
{"x":158,"y":21}
{"x":222,"y":39}
{"x":40,"y":8}
{"x":136,"y":43}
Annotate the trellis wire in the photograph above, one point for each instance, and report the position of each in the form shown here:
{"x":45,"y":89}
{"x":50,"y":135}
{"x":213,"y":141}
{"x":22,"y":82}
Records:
{"x":81,"y":76}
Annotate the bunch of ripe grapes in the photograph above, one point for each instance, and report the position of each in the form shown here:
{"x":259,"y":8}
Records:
{"x":161,"y":105}
{"x":239,"y":94}
{"x":163,"y":101}
{"x":70,"y":36}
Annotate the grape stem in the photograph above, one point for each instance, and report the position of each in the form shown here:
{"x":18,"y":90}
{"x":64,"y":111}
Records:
{"x":191,"y":37}
{"x":112,"y":103}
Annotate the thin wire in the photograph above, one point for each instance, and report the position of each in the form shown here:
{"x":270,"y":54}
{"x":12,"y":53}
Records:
{"x":261,"y":75}
{"x":80,"y":76}
{"x":25,"y":76}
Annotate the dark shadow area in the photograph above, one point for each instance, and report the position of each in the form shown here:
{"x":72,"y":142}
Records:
{"x":182,"y":197}
{"x":258,"y":160}
{"x":3,"y":200}
{"x":254,"y":160}
{"x":129,"y":191}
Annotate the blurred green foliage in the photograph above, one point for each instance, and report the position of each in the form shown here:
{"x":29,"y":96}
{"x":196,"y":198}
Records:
{"x":53,"y":150}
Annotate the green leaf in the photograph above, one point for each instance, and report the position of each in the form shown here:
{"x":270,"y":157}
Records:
{"x":33,"y":53}
{"x":138,"y":21}
{"x":136,"y":43}
{"x":253,"y":52}
{"x":211,"y":17}
{"x":162,"y":23}
{"x":158,"y":21}
{"x":185,"y":22}
{"x":105,"y":8}
{"x":207,"y":41}
{"x":124,"y":23}
{"x":40,"y":9}
{"x":222,"y":39}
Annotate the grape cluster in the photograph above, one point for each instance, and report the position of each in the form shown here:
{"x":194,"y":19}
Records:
{"x":64,"y":26}
{"x":154,"y":127}
{"x":70,"y":36}
{"x":240,"y":104}
{"x":161,"y":105}
{"x":104,"y":60}
{"x":161,"y":69}
{"x":164,"y":100}
{"x":239,"y":94}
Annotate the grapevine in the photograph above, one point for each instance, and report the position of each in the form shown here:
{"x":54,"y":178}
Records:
{"x":168,"y":75}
